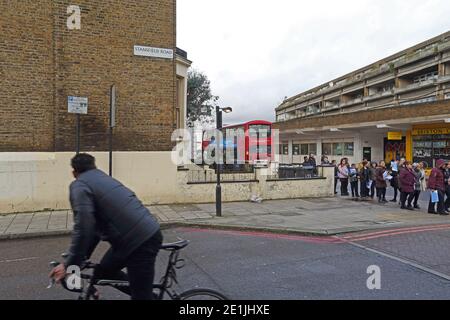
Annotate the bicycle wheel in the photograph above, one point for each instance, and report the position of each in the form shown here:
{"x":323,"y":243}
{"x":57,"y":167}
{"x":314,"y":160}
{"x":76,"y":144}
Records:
{"x":202,"y":294}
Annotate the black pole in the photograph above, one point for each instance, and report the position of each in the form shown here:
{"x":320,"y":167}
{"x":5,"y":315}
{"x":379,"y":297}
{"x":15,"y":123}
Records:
{"x":110,"y":151}
{"x":112,"y":123}
{"x":218,"y":164}
{"x":78,"y":132}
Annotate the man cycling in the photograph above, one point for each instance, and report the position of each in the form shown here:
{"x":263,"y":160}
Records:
{"x":104,"y":209}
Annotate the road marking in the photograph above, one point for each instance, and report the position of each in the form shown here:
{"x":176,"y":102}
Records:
{"x":419,"y":228}
{"x":268,"y":235}
{"x":402,"y":260}
{"x":399,"y":232}
{"x":325,"y":239}
{"x":19,"y":260}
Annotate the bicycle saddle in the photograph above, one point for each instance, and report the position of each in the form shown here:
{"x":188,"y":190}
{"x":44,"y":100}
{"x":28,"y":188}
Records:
{"x":175,"y":245}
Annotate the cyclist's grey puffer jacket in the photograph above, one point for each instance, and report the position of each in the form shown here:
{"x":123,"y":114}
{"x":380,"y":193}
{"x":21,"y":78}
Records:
{"x":104,"y":207}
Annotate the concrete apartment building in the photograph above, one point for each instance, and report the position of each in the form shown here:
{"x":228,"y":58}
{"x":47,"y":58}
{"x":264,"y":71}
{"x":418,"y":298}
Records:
{"x":398,"y":106}
{"x":43,"y":62}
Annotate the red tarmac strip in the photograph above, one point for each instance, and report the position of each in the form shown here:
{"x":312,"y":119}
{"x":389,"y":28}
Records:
{"x":325,"y":239}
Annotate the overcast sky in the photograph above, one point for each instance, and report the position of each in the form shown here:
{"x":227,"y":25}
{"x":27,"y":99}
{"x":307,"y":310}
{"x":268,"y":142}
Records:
{"x":256,"y":52}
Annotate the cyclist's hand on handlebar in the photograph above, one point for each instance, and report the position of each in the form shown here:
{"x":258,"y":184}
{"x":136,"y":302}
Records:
{"x":58,"y":273}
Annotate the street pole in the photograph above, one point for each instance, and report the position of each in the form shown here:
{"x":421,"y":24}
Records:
{"x":78,"y":132}
{"x":218,"y":163}
{"x":112,"y":124}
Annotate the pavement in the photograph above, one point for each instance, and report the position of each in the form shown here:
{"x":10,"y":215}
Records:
{"x":314,"y":216}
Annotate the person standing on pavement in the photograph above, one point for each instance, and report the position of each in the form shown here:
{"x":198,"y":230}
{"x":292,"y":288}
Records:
{"x":436,"y":184}
{"x":373,"y":169}
{"x":336,"y":172}
{"x":423,"y":182}
{"x":312,"y":162}
{"x":394,"y":180}
{"x":401,"y":167}
{"x":420,"y":176}
{"x":380,"y":182}
{"x":447,"y":186}
{"x":407,"y":179}
{"x":343,"y":174}
{"x":353,"y":176}
{"x":364,"y":176}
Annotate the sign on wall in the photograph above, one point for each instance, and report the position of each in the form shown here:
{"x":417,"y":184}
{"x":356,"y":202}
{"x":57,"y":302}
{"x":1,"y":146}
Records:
{"x":395,"y":136}
{"x":153,"y":52}
{"x":426,"y":132}
{"x":78,"y":105}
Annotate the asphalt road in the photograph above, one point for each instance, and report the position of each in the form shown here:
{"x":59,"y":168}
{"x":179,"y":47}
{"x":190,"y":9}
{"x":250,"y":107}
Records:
{"x":414,"y":264}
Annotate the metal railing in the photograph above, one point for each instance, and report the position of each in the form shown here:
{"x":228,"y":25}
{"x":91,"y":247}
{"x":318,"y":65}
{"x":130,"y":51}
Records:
{"x":210,"y":176}
{"x":292,"y":172}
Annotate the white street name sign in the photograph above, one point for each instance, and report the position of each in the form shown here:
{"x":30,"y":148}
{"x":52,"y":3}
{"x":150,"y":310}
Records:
{"x":153,"y":52}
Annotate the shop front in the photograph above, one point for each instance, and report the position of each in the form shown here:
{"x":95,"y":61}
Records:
{"x":430,"y":144}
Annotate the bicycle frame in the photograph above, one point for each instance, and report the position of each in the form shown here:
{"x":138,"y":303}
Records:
{"x":164,"y":287}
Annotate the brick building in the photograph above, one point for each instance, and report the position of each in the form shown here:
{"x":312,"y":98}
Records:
{"x":42,"y":63}
{"x":396,"y":107}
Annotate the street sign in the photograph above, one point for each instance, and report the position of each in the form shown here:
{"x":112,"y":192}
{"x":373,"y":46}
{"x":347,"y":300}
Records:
{"x":153,"y":52}
{"x":78,"y":105}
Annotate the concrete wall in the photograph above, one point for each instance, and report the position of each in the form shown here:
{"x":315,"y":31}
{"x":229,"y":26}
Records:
{"x":39,"y":181}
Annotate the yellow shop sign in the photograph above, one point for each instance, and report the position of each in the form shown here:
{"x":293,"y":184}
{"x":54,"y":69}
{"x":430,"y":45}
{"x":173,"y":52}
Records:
{"x":395,"y":135}
{"x":427,"y":132}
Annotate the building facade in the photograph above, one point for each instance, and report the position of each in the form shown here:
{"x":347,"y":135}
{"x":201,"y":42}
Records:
{"x":43,"y":62}
{"x":396,"y":107}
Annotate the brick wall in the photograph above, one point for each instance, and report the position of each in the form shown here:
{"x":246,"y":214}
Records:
{"x":26,"y":76}
{"x":43,"y":63}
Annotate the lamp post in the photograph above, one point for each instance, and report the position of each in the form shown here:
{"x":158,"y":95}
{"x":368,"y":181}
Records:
{"x":219,"y":161}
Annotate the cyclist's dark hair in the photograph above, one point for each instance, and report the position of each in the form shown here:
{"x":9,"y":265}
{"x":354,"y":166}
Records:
{"x":83,"y":162}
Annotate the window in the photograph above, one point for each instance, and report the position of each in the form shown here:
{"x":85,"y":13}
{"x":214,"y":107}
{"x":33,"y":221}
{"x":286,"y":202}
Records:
{"x":337,"y":149}
{"x":305,"y":149}
{"x":296,"y":149}
{"x":426,"y":77}
{"x":284,"y":149}
{"x":326,"y":149}
{"x":349,"y":149}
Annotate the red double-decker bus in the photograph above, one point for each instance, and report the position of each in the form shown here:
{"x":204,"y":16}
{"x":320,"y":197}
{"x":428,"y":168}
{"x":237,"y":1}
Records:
{"x":250,"y":142}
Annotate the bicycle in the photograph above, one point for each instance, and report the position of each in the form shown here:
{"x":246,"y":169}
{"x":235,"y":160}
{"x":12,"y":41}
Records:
{"x":161,"y":290}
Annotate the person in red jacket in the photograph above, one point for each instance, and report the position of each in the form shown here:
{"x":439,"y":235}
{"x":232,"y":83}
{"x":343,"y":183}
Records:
{"x":407,"y":181}
{"x":381,"y":182}
{"x":436,"y":183}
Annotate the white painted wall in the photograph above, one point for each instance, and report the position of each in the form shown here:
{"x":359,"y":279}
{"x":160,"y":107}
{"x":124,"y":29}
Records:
{"x":40,"y":181}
